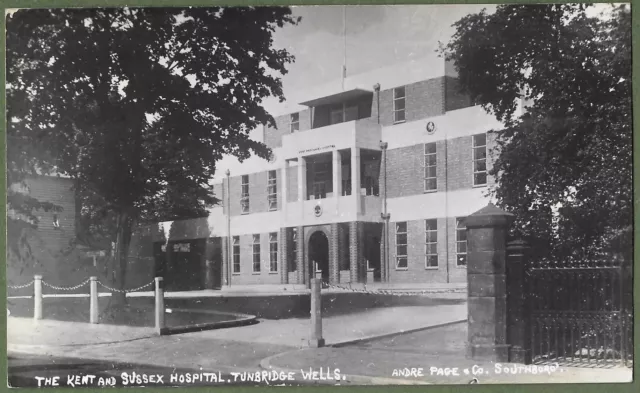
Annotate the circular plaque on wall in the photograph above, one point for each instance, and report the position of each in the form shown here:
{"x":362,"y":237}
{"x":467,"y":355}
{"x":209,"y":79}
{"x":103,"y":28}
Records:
{"x":431,"y":127}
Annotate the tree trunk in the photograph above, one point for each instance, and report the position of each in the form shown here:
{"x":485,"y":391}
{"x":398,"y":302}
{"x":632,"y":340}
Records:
{"x":123,"y":240}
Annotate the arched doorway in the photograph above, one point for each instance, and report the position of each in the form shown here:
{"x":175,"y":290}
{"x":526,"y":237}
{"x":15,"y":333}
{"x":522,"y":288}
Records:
{"x":319,"y":256}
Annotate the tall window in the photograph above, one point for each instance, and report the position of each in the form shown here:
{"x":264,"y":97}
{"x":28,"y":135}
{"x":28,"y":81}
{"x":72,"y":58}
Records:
{"x":431,"y":243}
{"x":479,"y":159}
{"x":343,"y":112}
{"x":273,"y":252}
{"x":293,"y":261}
{"x":399,"y":101}
{"x":256,"y":253}
{"x":461,"y":242}
{"x":430,"y":178}
{"x":236,"y":254}
{"x":272,"y":191}
{"x":372,"y":186}
{"x":319,"y":190}
{"x":321,"y":174}
{"x":401,"y":245}
{"x":294,"y":122}
{"x":244,"y":194}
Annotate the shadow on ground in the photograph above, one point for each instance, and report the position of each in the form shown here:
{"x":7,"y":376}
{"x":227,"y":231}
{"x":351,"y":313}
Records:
{"x":140,"y":312}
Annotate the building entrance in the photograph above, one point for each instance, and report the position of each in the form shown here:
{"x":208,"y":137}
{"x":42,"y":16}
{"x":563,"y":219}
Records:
{"x":319,"y":256}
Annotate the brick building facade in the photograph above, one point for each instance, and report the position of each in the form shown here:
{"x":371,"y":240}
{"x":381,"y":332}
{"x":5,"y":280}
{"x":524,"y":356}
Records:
{"x":52,"y":250}
{"x":367,"y":183}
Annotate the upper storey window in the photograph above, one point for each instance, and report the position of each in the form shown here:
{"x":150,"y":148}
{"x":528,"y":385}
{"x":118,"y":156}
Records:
{"x":342,"y":113}
{"x":399,"y":101}
{"x":480,"y":159}
{"x":244,"y":194}
{"x":294,"y":122}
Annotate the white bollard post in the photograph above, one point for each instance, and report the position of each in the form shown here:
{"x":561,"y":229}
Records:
{"x":93,"y":299}
{"x":316,"y":314}
{"x":159,"y":305}
{"x":37,"y":297}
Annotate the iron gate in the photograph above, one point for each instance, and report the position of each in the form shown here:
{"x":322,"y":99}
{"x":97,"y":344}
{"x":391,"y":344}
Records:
{"x":580,"y":312}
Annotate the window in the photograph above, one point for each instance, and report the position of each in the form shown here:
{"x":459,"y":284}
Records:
{"x":399,"y":104}
{"x":272,"y":191}
{"x":461,"y":242}
{"x":479,"y":159}
{"x":430,"y":178}
{"x":321,"y":175}
{"x":294,"y":122}
{"x":319,"y":190}
{"x":273,"y":252}
{"x":401,"y":245}
{"x":244,"y":194}
{"x":371,"y":185}
{"x":293,"y":261}
{"x":431,"y":243}
{"x":256,"y":253}
{"x":342,"y":113}
{"x":346,"y":187}
{"x":236,"y":254}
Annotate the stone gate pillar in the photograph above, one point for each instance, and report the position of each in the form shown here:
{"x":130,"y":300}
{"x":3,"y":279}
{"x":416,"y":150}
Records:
{"x":487,"y":301}
{"x":518,"y":322}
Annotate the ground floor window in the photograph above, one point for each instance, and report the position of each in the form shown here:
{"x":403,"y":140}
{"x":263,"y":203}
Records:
{"x":273,"y":252}
{"x":256,"y":253}
{"x":401,"y":245}
{"x":236,"y":254}
{"x":461,"y":242}
{"x":431,"y":243}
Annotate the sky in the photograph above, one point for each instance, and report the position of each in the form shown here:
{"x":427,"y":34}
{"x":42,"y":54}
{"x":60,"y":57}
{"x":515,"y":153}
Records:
{"x":376,"y":36}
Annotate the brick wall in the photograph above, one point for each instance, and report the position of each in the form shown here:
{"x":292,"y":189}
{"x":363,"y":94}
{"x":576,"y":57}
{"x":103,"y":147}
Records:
{"x":423,"y":99}
{"x":246,"y":275}
{"x":459,"y":157}
{"x":454,"y":98}
{"x":405,"y":172}
{"x":416,"y":271}
{"x":258,"y":193}
{"x":273,"y":136}
{"x":59,"y":192}
{"x":47,"y":243}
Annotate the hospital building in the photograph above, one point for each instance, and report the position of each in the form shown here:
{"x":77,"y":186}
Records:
{"x":369,"y":182}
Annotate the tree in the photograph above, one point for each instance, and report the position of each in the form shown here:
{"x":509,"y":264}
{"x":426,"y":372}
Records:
{"x":138,"y":105}
{"x":565,"y":165}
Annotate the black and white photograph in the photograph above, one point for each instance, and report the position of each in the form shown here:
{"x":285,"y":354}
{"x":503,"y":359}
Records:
{"x":319,"y":195}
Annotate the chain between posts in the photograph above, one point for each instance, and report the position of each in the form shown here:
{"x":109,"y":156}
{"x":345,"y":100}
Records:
{"x":397,"y":293}
{"x":126,"y":290}
{"x":21,"y":286}
{"x":85,"y":282}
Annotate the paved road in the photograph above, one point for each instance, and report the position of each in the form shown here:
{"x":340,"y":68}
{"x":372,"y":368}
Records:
{"x":40,"y":371}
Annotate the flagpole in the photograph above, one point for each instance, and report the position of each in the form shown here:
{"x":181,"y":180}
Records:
{"x":344,"y":35}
